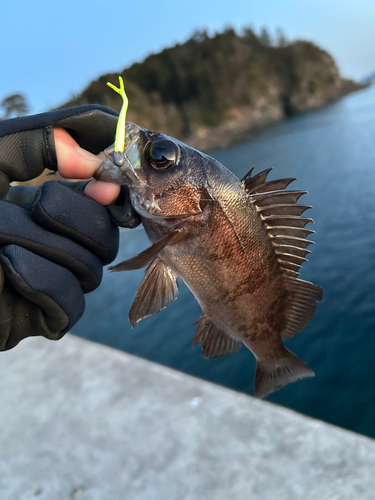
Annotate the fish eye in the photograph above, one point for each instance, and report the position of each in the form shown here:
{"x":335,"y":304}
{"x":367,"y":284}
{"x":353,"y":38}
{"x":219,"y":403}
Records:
{"x":162,"y":154}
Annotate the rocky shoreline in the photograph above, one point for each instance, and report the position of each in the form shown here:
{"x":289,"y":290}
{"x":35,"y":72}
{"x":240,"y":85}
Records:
{"x":245,"y":123}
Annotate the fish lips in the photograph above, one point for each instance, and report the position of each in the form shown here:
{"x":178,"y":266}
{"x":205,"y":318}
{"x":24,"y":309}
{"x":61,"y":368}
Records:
{"x":124,"y":171}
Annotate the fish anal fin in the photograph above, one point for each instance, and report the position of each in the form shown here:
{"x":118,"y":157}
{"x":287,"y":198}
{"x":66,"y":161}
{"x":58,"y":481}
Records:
{"x":157,"y":290}
{"x":145,"y":257}
{"x":301,"y":307}
{"x":272,"y":375}
{"x":215,"y":342}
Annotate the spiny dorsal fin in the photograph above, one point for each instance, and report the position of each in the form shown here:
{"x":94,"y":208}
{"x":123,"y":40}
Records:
{"x":299,"y":232}
{"x":291,"y":249}
{"x":286,"y":220}
{"x":286,"y":228}
{"x":157,"y":290}
{"x":282,"y":217}
{"x":145,"y":257}
{"x":215,"y":342}
{"x":247,"y":177}
{"x":250,"y":183}
{"x":283,"y":209}
{"x":277,"y":197}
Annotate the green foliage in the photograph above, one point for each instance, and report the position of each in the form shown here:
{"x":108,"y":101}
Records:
{"x":205,"y":81}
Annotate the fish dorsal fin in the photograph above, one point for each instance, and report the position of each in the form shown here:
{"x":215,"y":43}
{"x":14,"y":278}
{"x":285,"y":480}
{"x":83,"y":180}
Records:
{"x":282,"y":218}
{"x":215,"y":342}
{"x":250,"y":183}
{"x":157,"y":290}
{"x":302,"y":299}
{"x":145,"y":257}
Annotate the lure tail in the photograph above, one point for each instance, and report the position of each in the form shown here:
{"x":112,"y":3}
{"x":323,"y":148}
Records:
{"x":118,"y":153}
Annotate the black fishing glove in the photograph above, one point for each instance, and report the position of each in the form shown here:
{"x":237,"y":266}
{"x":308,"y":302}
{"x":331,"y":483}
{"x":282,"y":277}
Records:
{"x":54,"y":240}
{"x":27,"y":146}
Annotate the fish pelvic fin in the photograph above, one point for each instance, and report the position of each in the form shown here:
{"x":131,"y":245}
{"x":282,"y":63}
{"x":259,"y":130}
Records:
{"x":148,"y":255}
{"x":157,"y":290}
{"x":215,"y":342}
{"x":272,"y":375}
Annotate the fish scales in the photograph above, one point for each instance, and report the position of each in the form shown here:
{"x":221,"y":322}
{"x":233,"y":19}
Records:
{"x":206,"y":228}
{"x":230,"y":266}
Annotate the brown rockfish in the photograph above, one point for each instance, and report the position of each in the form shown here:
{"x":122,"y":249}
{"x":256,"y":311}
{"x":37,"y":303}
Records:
{"x":237,"y":244}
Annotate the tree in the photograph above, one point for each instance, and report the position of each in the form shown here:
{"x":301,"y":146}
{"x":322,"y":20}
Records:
{"x":14,"y":105}
{"x":250,"y":36}
{"x":200,"y":36}
{"x":265,"y":38}
{"x":281,"y":39}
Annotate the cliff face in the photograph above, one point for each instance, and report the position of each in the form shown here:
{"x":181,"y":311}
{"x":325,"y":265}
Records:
{"x":210,"y":92}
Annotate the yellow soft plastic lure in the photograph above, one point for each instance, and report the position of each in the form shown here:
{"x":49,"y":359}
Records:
{"x":118,"y":153}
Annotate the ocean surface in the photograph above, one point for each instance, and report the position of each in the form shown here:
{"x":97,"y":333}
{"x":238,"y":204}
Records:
{"x":332,"y":154}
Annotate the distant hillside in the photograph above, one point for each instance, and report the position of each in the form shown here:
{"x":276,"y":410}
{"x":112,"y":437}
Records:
{"x":210,"y":91}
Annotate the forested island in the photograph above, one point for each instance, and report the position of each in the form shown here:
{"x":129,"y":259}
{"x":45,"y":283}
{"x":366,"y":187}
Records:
{"x":212,"y":91}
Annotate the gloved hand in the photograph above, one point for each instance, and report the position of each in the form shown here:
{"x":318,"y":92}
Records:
{"x":27,"y":144}
{"x":54,"y":240}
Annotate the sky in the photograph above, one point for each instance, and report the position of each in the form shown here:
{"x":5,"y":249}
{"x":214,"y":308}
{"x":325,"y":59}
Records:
{"x":51,"y":50}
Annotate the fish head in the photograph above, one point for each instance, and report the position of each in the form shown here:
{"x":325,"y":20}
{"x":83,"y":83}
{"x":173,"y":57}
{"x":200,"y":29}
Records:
{"x":166,"y":178}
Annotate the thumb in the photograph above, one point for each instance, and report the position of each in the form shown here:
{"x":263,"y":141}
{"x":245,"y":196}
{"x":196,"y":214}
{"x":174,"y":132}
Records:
{"x":76,"y":163}
{"x":73,"y":161}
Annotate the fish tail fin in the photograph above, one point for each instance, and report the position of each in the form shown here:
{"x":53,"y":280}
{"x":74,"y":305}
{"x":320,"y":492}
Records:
{"x":272,"y":375}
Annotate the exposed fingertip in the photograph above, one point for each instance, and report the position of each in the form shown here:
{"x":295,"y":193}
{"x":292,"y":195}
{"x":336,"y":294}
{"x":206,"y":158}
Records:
{"x":104,"y":193}
{"x":73,"y":161}
{"x":89,"y":157}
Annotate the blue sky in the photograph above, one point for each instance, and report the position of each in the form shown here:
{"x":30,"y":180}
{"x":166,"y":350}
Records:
{"x":50,"y":50}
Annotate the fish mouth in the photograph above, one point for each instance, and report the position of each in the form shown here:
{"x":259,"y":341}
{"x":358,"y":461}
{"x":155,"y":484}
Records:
{"x":126,"y":173}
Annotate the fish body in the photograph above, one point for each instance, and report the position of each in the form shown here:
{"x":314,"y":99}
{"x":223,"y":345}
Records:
{"x":237,"y":244}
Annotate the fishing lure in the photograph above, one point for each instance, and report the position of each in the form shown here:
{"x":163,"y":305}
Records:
{"x":119,"y":146}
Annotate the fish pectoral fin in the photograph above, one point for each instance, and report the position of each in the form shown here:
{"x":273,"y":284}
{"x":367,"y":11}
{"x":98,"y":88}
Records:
{"x":272,"y":375}
{"x":145,"y":257}
{"x":215,"y":342}
{"x":157,"y":290}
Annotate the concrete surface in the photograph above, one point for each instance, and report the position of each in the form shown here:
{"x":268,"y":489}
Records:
{"x":82,"y":421}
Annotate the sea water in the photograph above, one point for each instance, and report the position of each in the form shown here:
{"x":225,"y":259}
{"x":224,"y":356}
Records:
{"x":332,"y":154}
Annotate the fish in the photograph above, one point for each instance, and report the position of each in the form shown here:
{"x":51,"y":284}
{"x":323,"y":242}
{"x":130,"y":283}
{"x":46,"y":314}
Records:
{"x":238,"y":245}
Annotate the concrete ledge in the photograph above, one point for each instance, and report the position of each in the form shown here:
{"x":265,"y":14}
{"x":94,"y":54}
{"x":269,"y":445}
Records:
{"x":83,"y":421}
